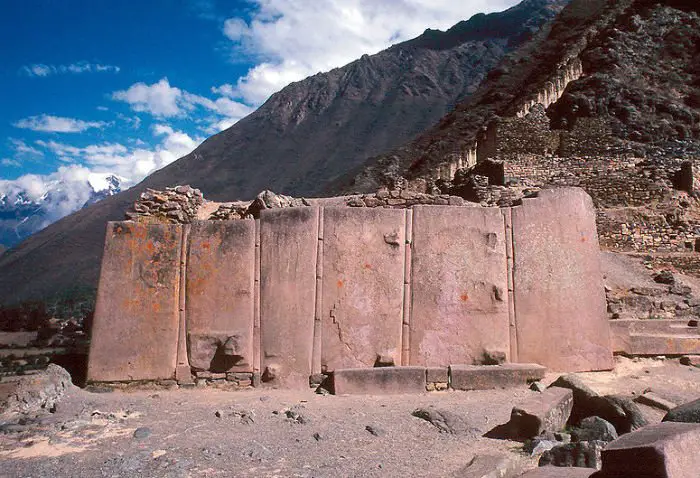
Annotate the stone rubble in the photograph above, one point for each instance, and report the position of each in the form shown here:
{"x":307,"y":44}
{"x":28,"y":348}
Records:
{"x":175,"y":205}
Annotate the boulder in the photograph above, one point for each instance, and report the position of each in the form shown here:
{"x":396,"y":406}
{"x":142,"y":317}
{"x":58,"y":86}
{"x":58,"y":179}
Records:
{"x":688,"y":413}
{"x":558,"y":472}
{"x":653,"y":400}
{"x":491,"y":466}
{"x":583,"y":454}
{"x":33,"y":393}
{"x":594,"y":428}
{"x":546,"y":411}
{"x":542,"y":443}
{"x":269,"y":200}
{"x":622,"y":412}
{"x":446,"y":421}
{"x":665,"y":450}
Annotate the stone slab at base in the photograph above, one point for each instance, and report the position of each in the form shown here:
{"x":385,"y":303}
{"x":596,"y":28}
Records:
{"x":666,"y":450}
{"x":643,"y":344}
{"x":492,"y":466}
{"x":487,"y":377}
{"x":437,"y":374}
{"x":379,"y":381}
{"x":546,"y":411}
{"x":559,"y":472}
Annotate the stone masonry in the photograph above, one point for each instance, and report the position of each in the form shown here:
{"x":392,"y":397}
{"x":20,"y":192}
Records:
{"x":313,"y":289}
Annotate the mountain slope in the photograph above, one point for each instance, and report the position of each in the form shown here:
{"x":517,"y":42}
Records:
{"x":302,"y":138}
{"x":640,"y":61}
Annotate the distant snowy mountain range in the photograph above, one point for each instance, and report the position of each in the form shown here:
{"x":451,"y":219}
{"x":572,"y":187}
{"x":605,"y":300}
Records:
{"x":25,"y":210}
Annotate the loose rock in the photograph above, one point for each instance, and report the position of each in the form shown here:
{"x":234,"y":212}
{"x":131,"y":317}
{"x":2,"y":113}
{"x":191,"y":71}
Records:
{"x":687,"y":413}
{"x":585,"y":454}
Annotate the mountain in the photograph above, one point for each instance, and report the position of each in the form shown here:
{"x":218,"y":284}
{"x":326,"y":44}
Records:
{"x":24,"y":211}
{"x":103,"y":187}
{"x":307,"y":135}
{"x":640,"y":73}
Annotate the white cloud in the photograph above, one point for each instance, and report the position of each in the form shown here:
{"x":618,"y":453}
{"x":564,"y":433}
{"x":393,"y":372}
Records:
{"x":159,"y":99}
{"x":23,"y":149}
{"x":59,"y":193}
{"x":57,"y":124}
{"x":224,"y":90}
{"x":69,"y":187}
{"x":128,"y":162}
{"x":164,"y":101}
{"x":133,"y":122}
{"x":42,"y":70}
{"x":10,"y":163}
{"x":293,"y":39}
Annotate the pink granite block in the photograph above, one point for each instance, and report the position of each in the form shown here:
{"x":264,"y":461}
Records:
{"x":363,"y":283}
{"x":135,"y":330}
{"x":558,"y":284}
{"x":219,"y":293}
{"x":459,"y":286}
{"x":288,"y":248}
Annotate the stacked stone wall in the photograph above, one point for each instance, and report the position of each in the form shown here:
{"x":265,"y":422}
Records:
{"x":632,"y":230}
{"x":401,"y":199}
{"x":612,"y":181}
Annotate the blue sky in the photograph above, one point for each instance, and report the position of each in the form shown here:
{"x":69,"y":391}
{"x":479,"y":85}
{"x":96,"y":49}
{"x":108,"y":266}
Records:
{"x":89,"y":88}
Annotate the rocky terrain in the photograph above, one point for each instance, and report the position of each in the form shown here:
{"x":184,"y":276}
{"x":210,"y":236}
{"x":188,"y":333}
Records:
{"x":56,"y":429}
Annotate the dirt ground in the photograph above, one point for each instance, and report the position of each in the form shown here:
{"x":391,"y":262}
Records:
{"x":209,"y":432}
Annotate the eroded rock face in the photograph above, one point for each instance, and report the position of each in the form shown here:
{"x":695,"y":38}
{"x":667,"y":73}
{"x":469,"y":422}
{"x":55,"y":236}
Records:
{"x":36,"y":392}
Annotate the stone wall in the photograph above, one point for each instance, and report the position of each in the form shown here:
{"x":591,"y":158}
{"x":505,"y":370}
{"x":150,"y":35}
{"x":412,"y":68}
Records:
{"x":309,"y":290}
{"x":645,"y":204}
{"x":507,"y":138}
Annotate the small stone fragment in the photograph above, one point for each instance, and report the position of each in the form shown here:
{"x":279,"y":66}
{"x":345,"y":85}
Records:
{"x":374,"y":430}
{"x":141,"y":433}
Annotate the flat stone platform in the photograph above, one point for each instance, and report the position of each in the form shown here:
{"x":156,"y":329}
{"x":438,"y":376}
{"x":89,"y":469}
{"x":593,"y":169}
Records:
{"x":388,"y":380}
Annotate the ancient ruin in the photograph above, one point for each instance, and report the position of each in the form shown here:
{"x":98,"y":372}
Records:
{"x":312,"y":290}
